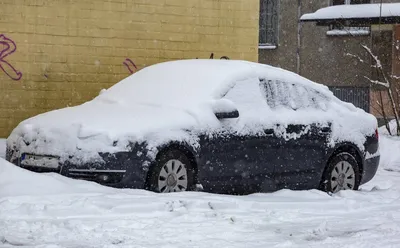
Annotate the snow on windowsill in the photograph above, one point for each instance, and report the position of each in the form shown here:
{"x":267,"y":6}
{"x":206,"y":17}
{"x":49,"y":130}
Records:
{"x":339,"y":32}
{"x":267,"y":47}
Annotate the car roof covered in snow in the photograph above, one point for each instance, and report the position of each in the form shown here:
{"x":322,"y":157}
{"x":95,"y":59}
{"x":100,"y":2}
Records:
{"x":194,"y":81}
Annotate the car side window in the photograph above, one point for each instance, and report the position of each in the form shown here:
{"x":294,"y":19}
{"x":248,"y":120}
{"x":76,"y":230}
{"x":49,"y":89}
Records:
{"x":275,"y":92}
{"x":246,"y":96}
{"x":290,"y":95}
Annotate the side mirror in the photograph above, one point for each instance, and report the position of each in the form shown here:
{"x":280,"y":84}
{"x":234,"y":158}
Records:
{"x":227,"y":115}
{"x":225,"y":109}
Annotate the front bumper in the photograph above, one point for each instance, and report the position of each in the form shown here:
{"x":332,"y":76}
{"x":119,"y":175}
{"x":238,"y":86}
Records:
{"x":369,"y":170}
{"x":120,"y":170}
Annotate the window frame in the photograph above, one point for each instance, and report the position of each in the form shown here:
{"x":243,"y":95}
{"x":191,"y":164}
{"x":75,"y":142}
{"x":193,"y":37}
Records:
{"x":340,"y":30}
{"x":273,"y":17}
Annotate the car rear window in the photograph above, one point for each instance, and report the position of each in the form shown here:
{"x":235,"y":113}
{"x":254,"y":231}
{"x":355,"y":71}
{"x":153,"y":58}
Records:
{"x":290,"y":95}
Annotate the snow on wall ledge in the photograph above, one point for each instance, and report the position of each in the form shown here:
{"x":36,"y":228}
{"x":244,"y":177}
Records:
{"x":187,"y":92}
{"x":354,"y":11}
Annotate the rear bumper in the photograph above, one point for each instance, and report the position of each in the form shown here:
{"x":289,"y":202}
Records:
{"x":369,"y":170}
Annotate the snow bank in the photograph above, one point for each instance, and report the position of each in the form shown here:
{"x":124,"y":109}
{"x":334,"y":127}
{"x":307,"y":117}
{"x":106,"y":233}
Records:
{"x":354,"y":11}
{"x":15,"y":181}
{"x":2,"y":148}
{"x":392,"y":126}
{"x":389,"y":149}
{"x":46,"y":210}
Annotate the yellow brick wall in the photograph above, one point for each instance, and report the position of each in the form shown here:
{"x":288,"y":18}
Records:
{"x":68,"y":50}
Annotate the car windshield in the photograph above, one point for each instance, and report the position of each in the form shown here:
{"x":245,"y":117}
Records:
{"x":179,"y":82}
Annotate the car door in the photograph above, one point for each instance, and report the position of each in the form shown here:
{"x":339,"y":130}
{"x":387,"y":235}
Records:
{"x":302,"y":157}
{"x":303,"y":147}
{"x":234,"y":158}
{"x":227,"y":162}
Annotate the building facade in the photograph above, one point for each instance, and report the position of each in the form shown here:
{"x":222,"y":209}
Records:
{"x":58,"y":53}
{"x":330,"y":55}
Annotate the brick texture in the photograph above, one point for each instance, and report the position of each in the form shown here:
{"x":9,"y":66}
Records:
{"x":68,"y":50}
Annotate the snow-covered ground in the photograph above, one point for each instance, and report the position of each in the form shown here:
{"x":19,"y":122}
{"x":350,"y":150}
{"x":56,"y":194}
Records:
{"x":38,"y":210}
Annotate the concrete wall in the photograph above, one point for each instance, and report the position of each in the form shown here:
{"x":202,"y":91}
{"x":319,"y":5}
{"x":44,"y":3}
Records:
{"x":284,"y":55}
{"x":329,"y":59}
{"x":68,"y":50}
{"x":322,"y":58}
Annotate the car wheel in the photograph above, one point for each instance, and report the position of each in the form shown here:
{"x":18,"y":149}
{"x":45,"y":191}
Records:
{"x":172,"y":172}
{"x":342,"y":173}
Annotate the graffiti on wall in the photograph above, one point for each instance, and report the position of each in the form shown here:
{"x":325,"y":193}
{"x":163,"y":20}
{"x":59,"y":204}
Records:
{"x":8,"y":47}
{"x":130,"y":65}
{"x":223,"y":57}
{"x":132,"y":68}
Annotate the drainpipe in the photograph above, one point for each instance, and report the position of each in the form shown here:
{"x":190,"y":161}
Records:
{"x":298,"y":36}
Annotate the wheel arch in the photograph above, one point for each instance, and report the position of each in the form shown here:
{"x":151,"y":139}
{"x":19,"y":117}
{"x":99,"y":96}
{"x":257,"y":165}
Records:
{"x":186,"y":149}
{"x":351,"y":149}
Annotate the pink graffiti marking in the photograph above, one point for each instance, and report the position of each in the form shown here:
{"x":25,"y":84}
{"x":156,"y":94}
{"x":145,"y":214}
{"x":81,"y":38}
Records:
{"x":9,"y":48}
{"x":223,"y":57}
{"x":130,"y":65}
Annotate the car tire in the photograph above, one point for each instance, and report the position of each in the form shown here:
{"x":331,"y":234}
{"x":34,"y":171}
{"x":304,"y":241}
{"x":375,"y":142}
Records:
{"x":341,"y":173}
{"x":172,"y":172}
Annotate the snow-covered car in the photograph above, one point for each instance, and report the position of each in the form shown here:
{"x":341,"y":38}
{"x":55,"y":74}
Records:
{"x":223,"y":126}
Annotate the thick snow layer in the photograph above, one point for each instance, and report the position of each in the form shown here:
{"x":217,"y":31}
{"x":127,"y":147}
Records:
{"x":2,"y":148}
{"x":355,"y":32}
{"x":354,"y":11}
{"x":40,"y":184}
{"x":390,"y":147}
{"x":157,"y":103}
{"x":47,"y":210}
{"x":392,"y":126}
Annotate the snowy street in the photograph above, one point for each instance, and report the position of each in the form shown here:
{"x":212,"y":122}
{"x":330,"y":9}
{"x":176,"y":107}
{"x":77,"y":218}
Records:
{"x":38,"y":210}
{"x":200,"y":123}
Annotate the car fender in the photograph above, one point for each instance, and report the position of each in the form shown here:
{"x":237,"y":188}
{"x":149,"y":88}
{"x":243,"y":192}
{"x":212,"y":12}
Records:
{"x":359,"y":155}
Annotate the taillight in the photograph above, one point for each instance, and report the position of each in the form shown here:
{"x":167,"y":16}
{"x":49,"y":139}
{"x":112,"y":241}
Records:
{"x":376,"y":134}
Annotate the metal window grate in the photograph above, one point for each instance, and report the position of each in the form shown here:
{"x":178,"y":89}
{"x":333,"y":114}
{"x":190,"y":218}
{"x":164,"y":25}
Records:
{"x":269,"y":19}
{"x":358,"y":96}
{"x":344,"y":25}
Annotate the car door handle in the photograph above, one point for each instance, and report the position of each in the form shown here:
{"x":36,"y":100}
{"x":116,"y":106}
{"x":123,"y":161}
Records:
{"x":291,"y":128}
{"x":269,"y":131}
{"x":325,"y":129}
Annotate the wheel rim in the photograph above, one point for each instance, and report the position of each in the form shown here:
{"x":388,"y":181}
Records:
{"x":173,"y":177}
{"x":342,"y":177}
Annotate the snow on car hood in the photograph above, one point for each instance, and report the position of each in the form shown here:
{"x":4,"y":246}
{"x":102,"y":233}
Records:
{"x":96,"y":126}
